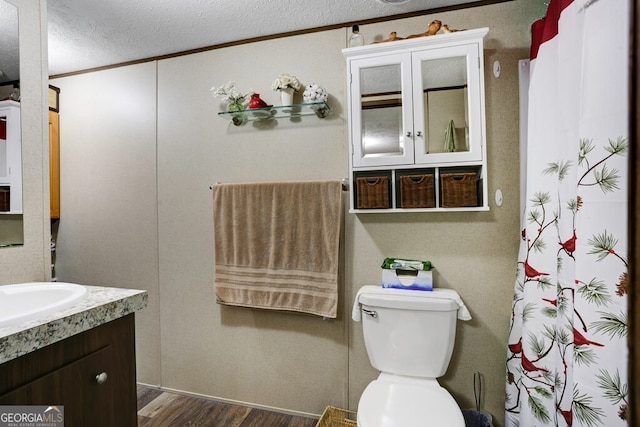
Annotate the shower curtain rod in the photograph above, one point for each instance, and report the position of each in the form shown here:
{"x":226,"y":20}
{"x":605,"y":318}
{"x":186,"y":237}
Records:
{"x":345,"y":184}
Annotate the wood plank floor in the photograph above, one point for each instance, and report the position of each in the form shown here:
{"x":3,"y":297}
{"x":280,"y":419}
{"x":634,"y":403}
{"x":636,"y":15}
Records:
{"x":157,"y":408}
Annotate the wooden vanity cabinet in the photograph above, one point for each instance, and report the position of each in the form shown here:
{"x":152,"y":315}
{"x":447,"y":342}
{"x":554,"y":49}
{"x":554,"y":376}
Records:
{"x":72,"y":372}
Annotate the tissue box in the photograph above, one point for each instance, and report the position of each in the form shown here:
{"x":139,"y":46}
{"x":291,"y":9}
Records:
{"x":407,"y":279}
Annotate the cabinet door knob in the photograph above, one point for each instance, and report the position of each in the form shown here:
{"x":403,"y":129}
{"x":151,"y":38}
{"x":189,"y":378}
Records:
{"x":408,"y":134}
{"x":419,"y":133}
{"x":102,"y":378}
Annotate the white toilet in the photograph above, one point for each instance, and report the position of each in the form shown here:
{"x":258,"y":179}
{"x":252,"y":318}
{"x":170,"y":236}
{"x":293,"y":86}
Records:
{"x":409,"y":336}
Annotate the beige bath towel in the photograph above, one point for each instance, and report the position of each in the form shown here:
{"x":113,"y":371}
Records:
{"x":277,"y":245}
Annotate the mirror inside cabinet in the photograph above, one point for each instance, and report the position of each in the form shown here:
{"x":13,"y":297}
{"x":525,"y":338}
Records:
{"x":11,"y":225}
{"x":444,"y":88}
{"x":441,"y":84}
{"x":381,"y":101}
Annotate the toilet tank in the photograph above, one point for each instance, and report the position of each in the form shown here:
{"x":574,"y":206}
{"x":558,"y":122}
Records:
{"x":409,"y":332}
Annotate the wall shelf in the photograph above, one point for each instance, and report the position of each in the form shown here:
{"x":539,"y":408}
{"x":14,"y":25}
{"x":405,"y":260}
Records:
{"x":319,"y":109}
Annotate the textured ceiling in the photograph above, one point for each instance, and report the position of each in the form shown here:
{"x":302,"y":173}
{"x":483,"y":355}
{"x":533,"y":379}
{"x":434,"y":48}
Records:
{"x":9,"y":67}
{"x":86,"y":34}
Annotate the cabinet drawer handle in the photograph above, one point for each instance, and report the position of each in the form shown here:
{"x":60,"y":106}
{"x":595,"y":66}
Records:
{"x":102,"y":378}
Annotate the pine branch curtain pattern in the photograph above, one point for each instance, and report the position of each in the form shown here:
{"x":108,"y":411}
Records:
{"x":567,"y":352}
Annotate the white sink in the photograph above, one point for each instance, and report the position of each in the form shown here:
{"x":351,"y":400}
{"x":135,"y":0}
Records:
{"x":29,"y":301}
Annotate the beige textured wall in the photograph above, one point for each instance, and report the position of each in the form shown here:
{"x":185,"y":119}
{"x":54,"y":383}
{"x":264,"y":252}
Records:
{"x":107,"y":234}
{"x":119,"y":228}
{"x":274,"y":359}
{"x":31,"y":261}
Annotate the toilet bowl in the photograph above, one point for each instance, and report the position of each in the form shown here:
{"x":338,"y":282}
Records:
{"x":394,"y":401}
{"x":409,"y":337}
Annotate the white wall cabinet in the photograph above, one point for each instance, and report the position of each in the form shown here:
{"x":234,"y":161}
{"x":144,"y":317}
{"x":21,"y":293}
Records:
{"x":10,"y":158}
{"x":417,"y":124}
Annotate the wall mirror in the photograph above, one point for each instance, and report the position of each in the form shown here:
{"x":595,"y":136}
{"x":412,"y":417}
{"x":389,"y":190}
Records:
{"x":11,"y":224}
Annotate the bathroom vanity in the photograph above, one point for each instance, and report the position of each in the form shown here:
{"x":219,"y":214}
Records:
{"x":82,"y":357}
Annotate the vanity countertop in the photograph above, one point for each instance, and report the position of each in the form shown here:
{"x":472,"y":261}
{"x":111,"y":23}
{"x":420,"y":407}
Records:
{"x":100,"y":305}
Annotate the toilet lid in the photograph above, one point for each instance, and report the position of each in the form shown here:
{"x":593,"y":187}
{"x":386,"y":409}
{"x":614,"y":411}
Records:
{"x":389,"y":404}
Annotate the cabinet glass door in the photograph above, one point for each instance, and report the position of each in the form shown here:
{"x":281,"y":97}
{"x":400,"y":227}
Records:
{"x":382,"y":111}
{"x":447,"y":105}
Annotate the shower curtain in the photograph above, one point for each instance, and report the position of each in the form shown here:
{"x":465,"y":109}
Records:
{"x":567,"y":351}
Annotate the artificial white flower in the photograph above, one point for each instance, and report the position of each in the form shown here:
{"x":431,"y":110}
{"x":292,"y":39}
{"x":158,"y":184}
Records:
{"x":229,"y":93}
{"x":286,"y":81}
{"x":314,"y":93}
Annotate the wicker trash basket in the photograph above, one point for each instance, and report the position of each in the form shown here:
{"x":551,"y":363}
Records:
{"x":336,"y":417}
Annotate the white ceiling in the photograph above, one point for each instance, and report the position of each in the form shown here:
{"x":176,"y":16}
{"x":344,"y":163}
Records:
{"x":87,"y":34}
{"x":9,"y":54}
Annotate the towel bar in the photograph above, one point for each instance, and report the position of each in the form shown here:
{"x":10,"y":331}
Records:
{"x":345,"y":184}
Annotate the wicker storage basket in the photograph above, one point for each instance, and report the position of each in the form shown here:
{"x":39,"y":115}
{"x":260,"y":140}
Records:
{"x":372,"y":192}
{"x":459,"y":189}
{"x":336,"y":417}
{"x":416,"y":191}
{"x":5,"y":200}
